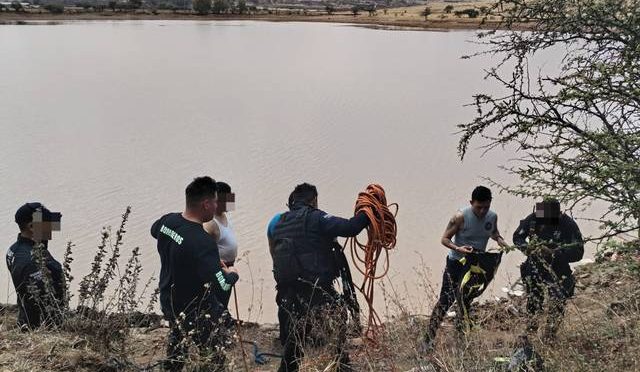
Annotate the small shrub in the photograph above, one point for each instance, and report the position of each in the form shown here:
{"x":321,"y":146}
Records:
{"x":426,"y":12}
{"x":202,"y":7}
{"x":330,"y":9}
{"x":470,"y":12}
{"x":17,"y":6}
{"x":54,"y":8}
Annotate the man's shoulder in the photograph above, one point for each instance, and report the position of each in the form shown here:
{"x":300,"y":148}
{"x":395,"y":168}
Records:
{"x":172,"y":218}
{"x":196,"y":233}
{"x":321,"y":213}
{"x":457,"y":217}
{"x":175,"y":222}
{"x":11,"y":251}
{"x":275,"y":219}
{"x":19,"y":246}
{"x":174,"y":227}
{"x":321,"y":217}
{"x":18,"y":254}
{"x":461,"y":212}
{"x":568,"y":220}
{"x":492,"y":214}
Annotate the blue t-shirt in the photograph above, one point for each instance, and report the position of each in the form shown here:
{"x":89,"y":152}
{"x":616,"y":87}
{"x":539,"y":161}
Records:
{"x":272,"y":225}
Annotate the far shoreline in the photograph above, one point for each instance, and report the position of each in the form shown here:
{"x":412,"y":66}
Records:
{"x":372,"y":22}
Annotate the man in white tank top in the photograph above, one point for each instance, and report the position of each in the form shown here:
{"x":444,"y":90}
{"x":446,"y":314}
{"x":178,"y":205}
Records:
{"x":221,"y":229}
{"x":470,"y":228}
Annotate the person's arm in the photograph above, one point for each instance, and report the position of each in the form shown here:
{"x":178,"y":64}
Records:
{"x":271,"y":246}
{"x":155,"y":229}
{"x":336,"y":226}
{"x":57,"y":277}
{"x":208,"y":266}
{"x":212,"y":229}
{"x":573,"y":250}
{"x":497,"y":237}
{"x":25,"y":271}
{"x":21,"y":266}
{"x":455,"y":224}
{"x":270,"y":228}
{"x":522,"y":233}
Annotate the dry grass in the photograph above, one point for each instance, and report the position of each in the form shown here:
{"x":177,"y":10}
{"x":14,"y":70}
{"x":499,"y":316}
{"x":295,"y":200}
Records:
{"x":600,"y":332}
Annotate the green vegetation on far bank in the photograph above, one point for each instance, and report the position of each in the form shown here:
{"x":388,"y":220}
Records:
{"x":460,"y":15}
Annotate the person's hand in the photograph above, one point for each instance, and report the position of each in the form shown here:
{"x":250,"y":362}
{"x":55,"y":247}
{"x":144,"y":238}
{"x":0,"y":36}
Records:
{"x":546,"y":252}
{"x":528,"y":250}
{"x":465,"y":249}
{"x":541,"y":251}
{"x":229,"y":270}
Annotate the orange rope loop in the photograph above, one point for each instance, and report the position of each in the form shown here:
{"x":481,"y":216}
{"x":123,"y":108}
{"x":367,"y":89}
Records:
{"x":381,"y":238}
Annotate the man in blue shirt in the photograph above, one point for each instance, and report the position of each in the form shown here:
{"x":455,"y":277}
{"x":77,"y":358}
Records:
{"x":302,"y":243}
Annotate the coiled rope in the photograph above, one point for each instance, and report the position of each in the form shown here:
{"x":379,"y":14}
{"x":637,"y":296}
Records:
{"x":381,"y":238}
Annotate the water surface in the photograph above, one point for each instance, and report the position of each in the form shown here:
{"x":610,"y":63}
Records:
{"x":100,"y":115}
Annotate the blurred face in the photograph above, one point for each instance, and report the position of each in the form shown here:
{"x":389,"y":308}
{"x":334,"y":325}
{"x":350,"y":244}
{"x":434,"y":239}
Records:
{"x":209,"y":207}
{"x":42,"y":229}
{"x":548,"y":213}
{"x":226,"y":202}
{"x":480,"y":208}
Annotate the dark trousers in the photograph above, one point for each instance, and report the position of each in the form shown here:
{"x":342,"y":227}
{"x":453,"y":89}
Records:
{"x":209,"y":334}
{"x":226,"y":296}
{"x":305,"y":309}
{"x":449,"y":293}
{"x":540,"y":278}
{"x":40,"y":308}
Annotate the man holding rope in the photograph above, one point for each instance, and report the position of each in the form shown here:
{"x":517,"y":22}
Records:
{"x":470,"y":229}
{"x":302,"y":243}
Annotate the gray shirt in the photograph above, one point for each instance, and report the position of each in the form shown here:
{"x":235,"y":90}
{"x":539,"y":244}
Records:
{"x":475,"y":232}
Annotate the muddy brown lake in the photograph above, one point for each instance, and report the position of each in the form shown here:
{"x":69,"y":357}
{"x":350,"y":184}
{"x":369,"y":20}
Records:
{"x":96,"y":116}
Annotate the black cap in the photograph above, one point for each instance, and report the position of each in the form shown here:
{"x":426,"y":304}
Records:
{"x":24,"y":214}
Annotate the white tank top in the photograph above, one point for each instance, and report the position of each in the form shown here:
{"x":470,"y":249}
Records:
{"x":227,"y":243}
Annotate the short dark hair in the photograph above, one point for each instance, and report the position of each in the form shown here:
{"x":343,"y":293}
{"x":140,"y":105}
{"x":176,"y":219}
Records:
{"x":223,"y":187}
{"x":481,"y":194}
{"x":199,"y":189}
{"x":304,"y":193}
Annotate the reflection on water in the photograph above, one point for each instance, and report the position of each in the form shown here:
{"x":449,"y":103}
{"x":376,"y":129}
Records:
{"x":100,"y":115}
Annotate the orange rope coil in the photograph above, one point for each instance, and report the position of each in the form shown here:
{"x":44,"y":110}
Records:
{"x":381,"y":238}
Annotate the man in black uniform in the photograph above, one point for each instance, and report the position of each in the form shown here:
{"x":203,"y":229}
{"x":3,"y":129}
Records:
{"x":38,"y":303}
{"x":302,"y":244}
{"x":551,"y":240}
{"x":192,"y":281}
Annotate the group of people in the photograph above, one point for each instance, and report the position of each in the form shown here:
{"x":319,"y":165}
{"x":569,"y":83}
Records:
{"x":198,"y":248}
{"x":549,"y":238}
